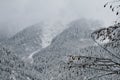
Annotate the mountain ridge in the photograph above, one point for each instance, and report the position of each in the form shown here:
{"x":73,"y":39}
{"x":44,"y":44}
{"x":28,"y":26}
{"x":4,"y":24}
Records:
{"x":26,"y":41}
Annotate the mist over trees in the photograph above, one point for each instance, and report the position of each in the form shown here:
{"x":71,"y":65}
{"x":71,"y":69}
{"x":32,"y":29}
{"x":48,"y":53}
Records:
{"x":83,"y":51}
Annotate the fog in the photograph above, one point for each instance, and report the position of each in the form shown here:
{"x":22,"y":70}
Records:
{"x":15,"y":15}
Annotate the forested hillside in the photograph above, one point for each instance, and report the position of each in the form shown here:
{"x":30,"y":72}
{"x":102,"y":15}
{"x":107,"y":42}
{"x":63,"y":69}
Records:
{"x":13,"y":68}
{"x":26,"y":41}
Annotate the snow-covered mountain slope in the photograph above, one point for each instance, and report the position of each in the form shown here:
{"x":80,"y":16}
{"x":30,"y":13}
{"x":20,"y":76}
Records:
{"x":51,"y":61}
{"x":51,"y":30}
{"x":26,"y":41}
{"x":13,"y":68}
{"x":77,"y":35}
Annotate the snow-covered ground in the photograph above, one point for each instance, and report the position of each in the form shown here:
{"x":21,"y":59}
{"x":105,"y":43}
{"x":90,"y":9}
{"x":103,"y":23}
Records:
{"x":104,"y":41}
{"x":50,"y":30}
{"x":30,"y":57}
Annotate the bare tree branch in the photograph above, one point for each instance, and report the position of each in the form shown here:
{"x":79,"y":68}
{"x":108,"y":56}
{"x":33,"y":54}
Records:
{"x":112,"y":54}
{"x":99,"y":76}
{"x":115,"y":7}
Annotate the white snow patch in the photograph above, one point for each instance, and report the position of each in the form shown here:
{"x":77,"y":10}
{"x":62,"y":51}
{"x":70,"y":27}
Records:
{"x":30,"y":57}
{"x":12,"y":76}
{"x":51,"y":30}
{"x":28,"y":78}
{"x":103,"y":41}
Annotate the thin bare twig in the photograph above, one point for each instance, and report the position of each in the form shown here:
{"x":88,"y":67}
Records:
{"x":112,"y":54}
{"x":101,"y":76}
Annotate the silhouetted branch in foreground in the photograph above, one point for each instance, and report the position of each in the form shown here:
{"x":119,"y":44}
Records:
{"x":99,"y":76}
{"x":107,"y":65}
{"x":101,"y":64}
{"x":115,"y":7}
{"x":110,"y":53}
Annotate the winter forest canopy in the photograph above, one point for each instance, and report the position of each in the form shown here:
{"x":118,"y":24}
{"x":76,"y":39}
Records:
{"x":59,"y":40}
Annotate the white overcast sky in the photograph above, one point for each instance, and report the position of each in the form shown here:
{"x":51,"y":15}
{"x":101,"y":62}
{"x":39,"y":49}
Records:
{"x":17,"y":14}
